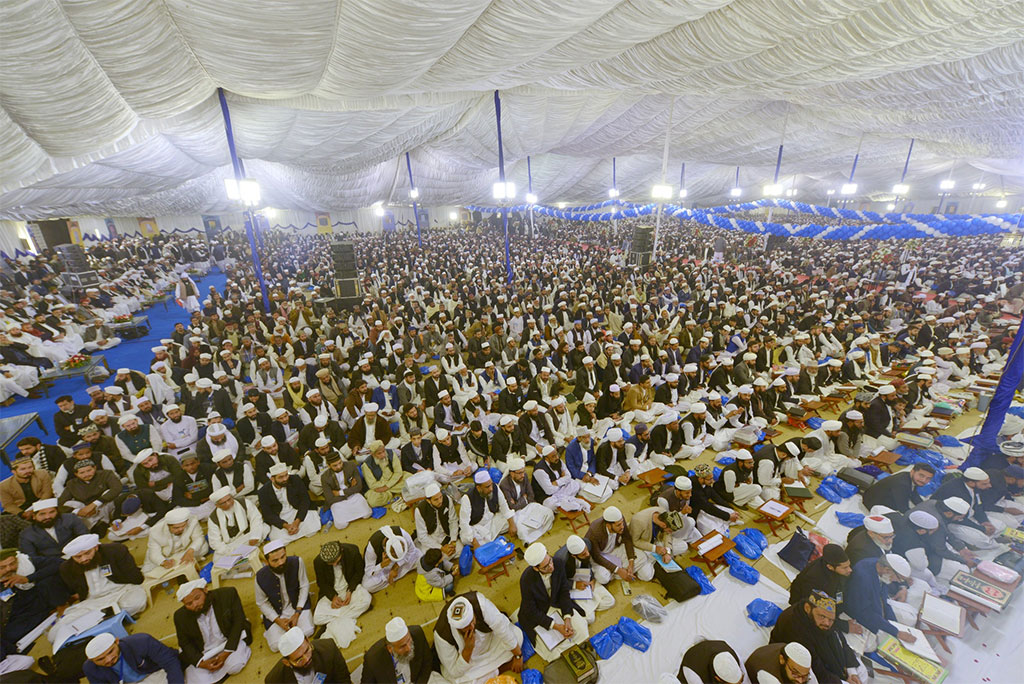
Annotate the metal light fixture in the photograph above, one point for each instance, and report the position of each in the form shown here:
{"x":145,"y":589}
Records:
{"x":848,"y":189}
{"x":531,"y":198}
{"x":978,"y":186}
{"x":613,"y":193}
{"x":735,"y":192}
{"x":890,"y":206}
{"x":900,"y":189}
{"x":773,"y":190}
{"x":791,"y":192}
{"x":830,"y":192}
{"x":231,"y":188}
{"x":504,"y":191}
{"x":947,"y":184}
{"x":378,"y":209}
{"x":661,"y":191}
{"x":249,"y":191}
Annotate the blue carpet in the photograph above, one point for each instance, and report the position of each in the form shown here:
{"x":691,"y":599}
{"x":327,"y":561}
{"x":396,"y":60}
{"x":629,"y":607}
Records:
{"x":134,"y":354}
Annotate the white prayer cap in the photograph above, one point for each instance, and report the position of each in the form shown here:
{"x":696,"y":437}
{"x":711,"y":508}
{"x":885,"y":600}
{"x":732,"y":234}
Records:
{"x":683,"y":484}
{"x":432,"y":489}
{"x":588,"y":359}
{"x":745,"y":389}
{"x":924,"y":520}
{"x":204,"y":383}
{"x":310,"y":393}
{"x":395,"y":630}
{"x":188,"y":587}
{"x":81,"y":543}
{"x":371,"y":407}
{"x":385,"y":385}
{"x":248,"y":406}
{"x":547,"y":450}
{"x":856,"y":354}
{"x":557,"y":401}
{"x":98,"y":645}
{"x":589,"y":398}
{"x":530,"y":405}
{"x":886,"y":390}
{"x":396,"y":548}
{"x":792,"y":448}
{"x":222,"y":493}
{"x":320,"y":421}
{"x":516,"y":463}
{"x":218,"y":374}
{"x":125,"y":418}
{"x":798,"y":653}
{"x":575,"y":544}
{"x":507,"y":419}
{"x":159,"y":365}
{"x":278,"y":412}
{"x":142,"y":456}
{"x":726,"y":668}
{"x":975,"y":474}
{"x":272,"y":546}
{"x":442,"y":434}
{"x":899,"y":564}
{"x":698,"y":407}
{"x":613,"y":388}
{"x":582,"y":431}
{"x":760,"y":382}
{"x":221,"y":454}
{"x":291,"y":641}
{"x":157,"y":349}
{"x":764,"y":677}
{"x":278,"y":469}
{"x":612,"y":514}
{"x":831,"y":425}
{"x":672,"y":377}
{"x":750,"y":356}
{"x":442,"y":394}
{"x":855,"y":415}
{"x":321,"y":442}
{"x":460,"y":612}
{"x":114,"y":389}
{"x":481,"y":477}
{"x":778,"y":382}
{"x":791,"y":372}
{"x":267,"y":441}
{"x":727,"y":361}
{"x":511,"y":380}
{"x":535,"y":554}
{"x":123,"y":371}
{"x":613,"y":435}
{"x":743,"y":455}
{"x":878,"y":524}
{"x":957,"y":505}
{"x":712,"y":396}
{"x":690,"y":368}
{"x":176,"y":516}
{"x":43,"y":504}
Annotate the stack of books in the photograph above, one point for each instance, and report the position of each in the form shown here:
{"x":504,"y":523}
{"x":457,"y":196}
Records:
{"x":978,"y":590}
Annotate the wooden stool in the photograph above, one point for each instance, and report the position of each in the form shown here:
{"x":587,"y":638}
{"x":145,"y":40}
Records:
{"x":651,"y":478}
{"x":573,"y":518}
{"x":713,"y":558}
{"x":497,"y":569}
{"x":774,"y":520}
{"x":189,"y":572}
{"x":883,"y":459}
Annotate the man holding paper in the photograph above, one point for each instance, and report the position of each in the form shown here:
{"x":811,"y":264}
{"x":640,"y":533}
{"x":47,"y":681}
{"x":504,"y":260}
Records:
{"x":612,"y":543}
{"x":546,"y":613}
{"x":578,"y":565}
{"x":868,"y":603}
{"x":213,"y":633}
{"x":532,"y":519}
{"x":235,"y":526}
{"x":553,"y":484}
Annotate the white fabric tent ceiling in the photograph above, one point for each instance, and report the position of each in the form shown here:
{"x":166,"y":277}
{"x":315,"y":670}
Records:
{"x":109,"y":107}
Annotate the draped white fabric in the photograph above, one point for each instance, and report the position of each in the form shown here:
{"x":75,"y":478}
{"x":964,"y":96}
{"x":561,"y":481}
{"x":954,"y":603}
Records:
{"x":109,"y":107}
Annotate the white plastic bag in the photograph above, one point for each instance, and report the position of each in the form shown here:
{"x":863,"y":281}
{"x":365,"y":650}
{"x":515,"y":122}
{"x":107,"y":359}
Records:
{"x":649,"y":608}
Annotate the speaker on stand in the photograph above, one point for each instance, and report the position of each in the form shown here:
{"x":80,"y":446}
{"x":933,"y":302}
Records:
{"x":641,"y":246}
{"x":346,"y":275}
{"x":77,"y":276}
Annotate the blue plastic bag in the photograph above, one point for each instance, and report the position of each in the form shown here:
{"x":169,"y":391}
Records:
{"x":872,"y":470}
{"x":491,"y":552}
{"x":756,"y":536}
{"x":725,"y":460}
{"x":494,"y":474}
{"x":701,"y":579}
{"x":948,"y":441}
{"x":326,"y":517}
{"x":466,"y":561}
{"x":850,"y":519}
{"x":634,"y":634}
{"x":828,"y":492}
{"x":842,"y":487}
{"x":716,"y":472}
{"x":607,"y":642}
{"x":747,"y":547}
{"x":377,"y":512}
{"x":527,"y":647}
{"x":814,"y":422}
{"x":531,"y":676}
{"x":206,"y":571}
{"x":764,"y":613}
{"x":741,"y":570}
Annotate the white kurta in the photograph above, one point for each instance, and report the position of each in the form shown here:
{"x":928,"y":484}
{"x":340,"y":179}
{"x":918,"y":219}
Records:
{"x":214,"y":642}
{"x":341,"y":622}
{"x":491,"y":650}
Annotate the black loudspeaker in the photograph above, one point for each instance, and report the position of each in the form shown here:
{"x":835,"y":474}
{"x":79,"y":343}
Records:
{"x":639,"y":258}
{"x":346,"y":287}
{"x":344,"y":256}
{"x":642,"y":239}
{"x":73,"y":257}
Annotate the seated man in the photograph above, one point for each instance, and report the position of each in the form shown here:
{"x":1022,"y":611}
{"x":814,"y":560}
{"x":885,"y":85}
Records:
{"x":811,"y":623}
{"x":473,"y":640}
{"x":451,"y":462}
{"x":383,"y":474}
{"x":612,"y":546}
{"x":32,"y":590}
{"x":25,"y":486}
{"x":869,"y":602}
{"x":85,"y":574}
{"x":234,"y":524}
{"x":236,"y":474}
{"x":553,"y":484}
{"x":305,"y":660}
{"x":194,"y":485}
{"x":342,"y":485}
{"x":402,"y":655}
{"x":213,"y":633}
{"x":390,"y":555}
{"x":785,"y":662}
{"x":531,"y":518}
{"x":138,"y":657}
{"x":735,"y":484}
{"x":827,"y":574}
{"x":282,"y":594}
{"x":578,"y":567}
{"x":676,"y":497}
{"x":176,"y":544}
{"x":613,"y":465}
{"x":49,"y":531}
{"x":437,"y":523}
{"x":545,"y":604}
{"x":90,"y":495}
{"x":338,"y":569}
{"x":483,"y":512}
{"x":285,"y":506}
{"x":710,"y":662}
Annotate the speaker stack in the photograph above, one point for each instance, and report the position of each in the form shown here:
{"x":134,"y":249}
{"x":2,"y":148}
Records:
{"x":642,"y":246}
{"x":346,"y":277}
{"x":76,"y":269}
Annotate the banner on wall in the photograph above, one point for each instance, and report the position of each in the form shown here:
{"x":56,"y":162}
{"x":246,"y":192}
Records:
{"x":387,"y":221}
{"x":424,"y":217}
{"x":212,"y":226}
{"x":111,"y":227}
{"x":37,"y":235}
{"x":74,"y":232}
{"x":147,"y":226}
{"x":323,"y":224}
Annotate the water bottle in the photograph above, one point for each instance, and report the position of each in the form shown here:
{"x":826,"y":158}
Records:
{"x":168,"y":589}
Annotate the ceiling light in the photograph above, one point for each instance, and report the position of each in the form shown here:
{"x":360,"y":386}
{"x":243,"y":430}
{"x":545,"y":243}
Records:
{"x":1001,"y":204}
{"x":504,"y":191}
{"x":249,"y":192}
{"x":613,"y":193}
{"x":900,"y":189}
{"x":735,"y":192}
{"x":791,"y":192}
{"x":269,"y":212}
{"x":682,"y":193}
{"x":947,"y":184}
{"x":531,"y":198}
{"x":830,"y":191}
{"x":231,"y":187}
{"x":772,"y":190}
{"x":848,"y":189}
{"x":661,"y":191}
{"x":890,"y":206}
{"x":562,"y":205}
{"x":414,"y":193}
{"x":453,"y":215}
{"x":378,"y":209}
{"x":978,"y":186}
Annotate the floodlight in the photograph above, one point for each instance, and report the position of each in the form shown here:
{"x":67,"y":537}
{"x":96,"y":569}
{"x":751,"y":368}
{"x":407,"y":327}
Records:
{"x":830,"y":191}
{"x":1001,"y":204}
{"x":378,"y":209}
{"x":900,"y":189}
{"x":249,"y":192}
{"x":772,"y":190}
{"x":735,"y":192}
{"x":531,"y":198}
{"x":453,"y":215}
{"x":848,"y":189}
{"x":661,"y":191}
{"x":414,"y":193}
{"x":947,"y":184}
{"x":613,"y":193}
{"x":978,"y":186}
{"x":791,"y":192}
{"x":890,"y":206}
{"x":562,"y":205}
{"x":269,"y":212}
{"x":231,"y":187}
{"x":504,"y":191}
{"x":682,"y":193}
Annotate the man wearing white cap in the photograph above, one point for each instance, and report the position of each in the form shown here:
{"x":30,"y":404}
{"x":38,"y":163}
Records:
{"x":437,"y":522}
{"x":338,"y":569}
{"x":827,"y":460}
{"x":341,"y":485}
{"x":547,"y":614}
{"x":473,"y":640}
{"x":50,"y":529}
{"x":871,"y":540}
{"x":975,"y":529}
{"x":870,"y":602}
{"x":176,"y":544}
{"x":531,"y":518}
{"x":316,"y":406}
{"x":782,"y":662}
{"x":102,"y":576}
{"x":484,"y":513}
{"x":310,"y":661}
{"x":577,"y":563}
{"x":282,"y":594}
{"x":879,"y":423}
{"x":236,"y":474}
{"x":403,"y":655}
{"x":736,"y":485}
{"x":553,"y":484}
{"x":134,"y":658}
{"x":133,"y":437}
{"x":213,"y":632}
{"x":710,"y":662}
{"x":235,"y":529}
{"x":612,"y":546}
{"x":285,"y":506}
{"x":390,"y":554}
{"x":369,"y":427}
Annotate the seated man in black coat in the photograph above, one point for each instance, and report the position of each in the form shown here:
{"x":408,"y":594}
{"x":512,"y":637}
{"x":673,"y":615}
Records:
{"x":827,"y":574}
{"x":36,"y":592}
{"x":812,"y":623}
{"x":306,"y":658}
{"x":225,"y":649}
{"x":710,"y":661}
{"x":545,"y":604}
{"x":402,"y":655}
{"x":899,"y":491}
{"x":285,"y":505}
{"x":50,"y":530}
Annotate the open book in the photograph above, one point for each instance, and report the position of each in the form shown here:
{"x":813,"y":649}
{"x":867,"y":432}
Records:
{"x":550,"y":637}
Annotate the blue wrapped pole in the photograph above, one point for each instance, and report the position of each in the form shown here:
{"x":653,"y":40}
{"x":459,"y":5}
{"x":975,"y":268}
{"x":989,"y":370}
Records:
{"x":986,"y":441}
{"x":415,"y":209}
{"x":501,"y":175}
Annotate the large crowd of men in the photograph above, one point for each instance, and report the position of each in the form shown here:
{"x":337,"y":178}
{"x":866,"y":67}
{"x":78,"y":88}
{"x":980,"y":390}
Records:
{"x":489,"y":399}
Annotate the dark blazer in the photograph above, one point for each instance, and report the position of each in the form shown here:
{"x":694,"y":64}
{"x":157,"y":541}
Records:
{"x":896,"y":491}
{"x":352,"y":566}
{"x":329,"y":482}
{"x":35,"y":541}
{"x":535,"y":600}
{"x":379,"y":669}
{"x":122,"y":566}
{"x":145,"y":655}
{"x":598,"y":537}
{"x":298,"y":497}
{"x":327,"y":660}
{"x":878,"y":418}
{"x":227,"y":610}
{"x":438,"y":415}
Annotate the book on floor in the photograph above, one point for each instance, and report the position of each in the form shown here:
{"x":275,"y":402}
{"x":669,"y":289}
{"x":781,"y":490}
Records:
{"x":797,"y":491}
{"x":979,"y":590}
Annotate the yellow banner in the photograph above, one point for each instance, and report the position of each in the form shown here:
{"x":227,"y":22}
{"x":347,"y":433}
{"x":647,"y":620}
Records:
{"x":74,"y":232}
{"x":147,"y":226}
{"x":323,"y":224}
